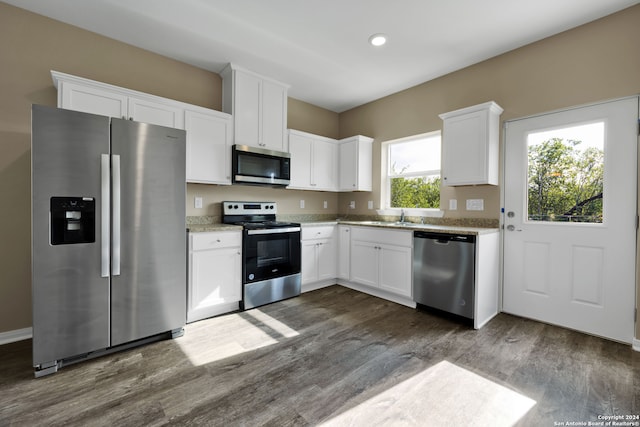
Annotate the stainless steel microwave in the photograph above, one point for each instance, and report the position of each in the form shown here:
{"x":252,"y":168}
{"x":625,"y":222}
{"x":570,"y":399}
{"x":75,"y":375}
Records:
{"x":259,"y":166}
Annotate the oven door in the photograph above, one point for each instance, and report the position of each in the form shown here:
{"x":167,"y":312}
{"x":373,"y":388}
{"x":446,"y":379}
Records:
{"x":270,"y":253}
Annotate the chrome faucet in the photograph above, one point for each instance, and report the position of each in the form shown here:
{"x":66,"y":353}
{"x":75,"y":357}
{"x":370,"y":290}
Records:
{"x":401,"y":215}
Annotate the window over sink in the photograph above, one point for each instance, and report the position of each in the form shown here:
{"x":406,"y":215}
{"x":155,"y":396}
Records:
{"x":411,"y":172}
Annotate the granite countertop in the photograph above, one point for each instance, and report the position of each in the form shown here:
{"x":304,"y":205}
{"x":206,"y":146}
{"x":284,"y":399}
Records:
{"x":202,"y":225}
{"x":203,"y":228}
{"x":423,"y":227}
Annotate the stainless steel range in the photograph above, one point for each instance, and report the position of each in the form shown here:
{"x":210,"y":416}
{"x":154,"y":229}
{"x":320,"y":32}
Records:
{"x":270,"y":252}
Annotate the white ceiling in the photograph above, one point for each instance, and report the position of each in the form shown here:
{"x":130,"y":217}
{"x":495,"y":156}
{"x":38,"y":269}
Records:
{"x":320,"y":47}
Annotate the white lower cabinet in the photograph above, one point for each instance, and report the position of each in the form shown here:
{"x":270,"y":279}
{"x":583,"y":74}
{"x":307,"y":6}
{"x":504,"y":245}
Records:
{"x":382,"y":259}
{"x":319,"y":254}
{"x":344,"y":252}
{"x":215,"y":283}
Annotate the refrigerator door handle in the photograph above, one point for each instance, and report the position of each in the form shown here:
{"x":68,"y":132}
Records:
{"x":106,"y":215}
{"x":115,"y":169}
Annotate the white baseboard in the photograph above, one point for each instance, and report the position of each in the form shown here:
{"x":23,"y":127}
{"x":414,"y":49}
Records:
{"x":16,"y":335}
{"x":378,"y":293}
{"x":317,"y":285}
{"x":635,"y":344}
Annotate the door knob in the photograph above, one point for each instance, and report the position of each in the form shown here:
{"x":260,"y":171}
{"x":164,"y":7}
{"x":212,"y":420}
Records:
{"x":511,"y":227}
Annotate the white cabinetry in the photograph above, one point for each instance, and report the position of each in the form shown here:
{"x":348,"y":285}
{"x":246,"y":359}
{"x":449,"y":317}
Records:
{"x":209,"y":132}
{"x":209,"y":139}
{"x":382,"y":259}
{"x":356,"y":156}
{"x":344,"y":252}
{"x":88,"y":96}
{"x":215,"y":268}
{"x":258,"y":106}
{"x":319,"y":254}
{"x":470,"y":145}
{"x":314,"y":162}
{"x":156,"y":113}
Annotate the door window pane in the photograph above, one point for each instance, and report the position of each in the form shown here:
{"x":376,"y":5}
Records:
{"x":566,"y":174}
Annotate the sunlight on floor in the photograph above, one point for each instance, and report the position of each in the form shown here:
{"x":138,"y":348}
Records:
{"x":442,"y":395}
{"x":208,"y":340}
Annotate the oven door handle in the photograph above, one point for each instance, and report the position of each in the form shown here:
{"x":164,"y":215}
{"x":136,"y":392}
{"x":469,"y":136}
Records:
{"x":274,"y":230}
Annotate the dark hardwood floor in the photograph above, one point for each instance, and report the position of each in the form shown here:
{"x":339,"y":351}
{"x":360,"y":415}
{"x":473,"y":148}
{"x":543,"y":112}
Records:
{"x":335,"y":357}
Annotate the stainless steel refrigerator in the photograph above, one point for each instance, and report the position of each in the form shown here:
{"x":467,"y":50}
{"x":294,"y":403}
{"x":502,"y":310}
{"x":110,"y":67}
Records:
{"x":108,"y":235}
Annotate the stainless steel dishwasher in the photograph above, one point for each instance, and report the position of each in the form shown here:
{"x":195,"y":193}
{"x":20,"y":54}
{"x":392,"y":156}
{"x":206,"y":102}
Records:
{"x":444,"y":271}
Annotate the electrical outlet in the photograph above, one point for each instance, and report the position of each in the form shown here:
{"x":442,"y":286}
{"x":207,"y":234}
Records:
{"x":453,"y":204}
{"x":197,"y":202}
{"x":352,"y":204}
{"x":301,"y":204}
{"x":370,"y":204}
{"x":475,"y":204}
{"x":325,"y":204}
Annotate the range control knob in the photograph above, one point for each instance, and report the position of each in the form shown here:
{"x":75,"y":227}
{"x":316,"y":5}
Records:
{"x":230,"y":206}
{"x":235,"y":206}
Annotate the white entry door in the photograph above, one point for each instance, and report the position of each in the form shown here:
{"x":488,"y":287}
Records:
{"x":570,"y":183}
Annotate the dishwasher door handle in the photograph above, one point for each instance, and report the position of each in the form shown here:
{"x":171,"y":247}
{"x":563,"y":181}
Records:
{"x":442,"y":242}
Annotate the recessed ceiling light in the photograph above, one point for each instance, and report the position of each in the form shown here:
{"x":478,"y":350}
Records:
{"x":378,"y":39}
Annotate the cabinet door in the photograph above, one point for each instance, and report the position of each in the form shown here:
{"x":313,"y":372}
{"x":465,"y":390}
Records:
{"x":274,"y":116}
{"x":344,"y":251}
{"x":155,"y":113}
{"x":464,"y":149}
{"x":324,"y":165}
{"x":246,"y":109}
{"x":209,"y":139}
{"x":309,"y":267}
{"x":92,"y":100}
{"x":348,"y":166}
{"x":364,"y":263}
{"x":300,"y":150}
{"x":215,"y":277}
{"x":326,"y":259}
{"x":395,"y":269}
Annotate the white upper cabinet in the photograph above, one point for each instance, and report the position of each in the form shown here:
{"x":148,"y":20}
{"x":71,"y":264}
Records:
{"x":209,"y":140}
{"x":90,"y":99}
{"x":156,"y":113}
{"x":314,"y":162}
{"x":209,"y":132}
{"x":356,"y":156}
{"x":470,"y":145}
{"x":75,"y":93}
{"x":258,"y":106}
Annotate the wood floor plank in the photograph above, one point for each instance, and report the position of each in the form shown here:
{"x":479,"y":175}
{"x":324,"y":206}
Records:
{"x":323,"y":356}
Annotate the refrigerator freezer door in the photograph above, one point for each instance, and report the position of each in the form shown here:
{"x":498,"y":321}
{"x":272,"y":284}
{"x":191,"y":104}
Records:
{"x":70,"y":298}
{"x":149,"y":293}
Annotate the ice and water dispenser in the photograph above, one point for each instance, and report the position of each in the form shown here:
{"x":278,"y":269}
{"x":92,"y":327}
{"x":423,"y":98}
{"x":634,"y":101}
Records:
{"x":73,"y":220}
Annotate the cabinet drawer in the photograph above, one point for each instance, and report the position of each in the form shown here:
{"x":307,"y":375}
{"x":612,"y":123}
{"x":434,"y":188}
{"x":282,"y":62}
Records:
{"x":318,"y":232}
{"x":380,"y":235}
{"x":215,"y":240}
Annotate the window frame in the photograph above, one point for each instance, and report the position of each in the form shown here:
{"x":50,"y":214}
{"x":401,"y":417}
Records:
{"x":385,"y":178}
